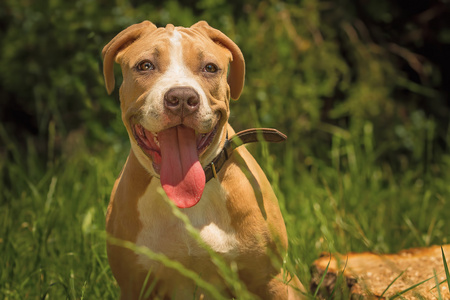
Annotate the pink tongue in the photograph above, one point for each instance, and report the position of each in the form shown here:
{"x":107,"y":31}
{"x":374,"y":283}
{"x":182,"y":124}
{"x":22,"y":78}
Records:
{"x":182,"y":176}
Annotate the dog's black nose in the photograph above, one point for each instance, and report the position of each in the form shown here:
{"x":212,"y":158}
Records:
{"x":182,"y":101}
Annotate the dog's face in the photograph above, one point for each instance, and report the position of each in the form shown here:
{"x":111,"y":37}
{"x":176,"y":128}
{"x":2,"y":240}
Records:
{"x":175,"y":99}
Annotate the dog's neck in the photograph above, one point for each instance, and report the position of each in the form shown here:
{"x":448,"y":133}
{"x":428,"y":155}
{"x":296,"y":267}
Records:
{"x":243,"y":137}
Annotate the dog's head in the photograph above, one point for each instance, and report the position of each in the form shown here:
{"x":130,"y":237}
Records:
{"x":175,"y":99}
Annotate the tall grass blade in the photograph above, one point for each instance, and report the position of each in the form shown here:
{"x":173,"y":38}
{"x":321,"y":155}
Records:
{"x":342,"y":276}
{"x":410,"y":288}
{"x":144,"y":292}
{"x":437,"y":285}
{"x":392,"y":282}
{"x":447,"y":273}
{"x":72,"y":284}
{"x":323,"y":278}
{"x":83,"y":290}
{"x":413,"y":229}
{"x":56,"y":284}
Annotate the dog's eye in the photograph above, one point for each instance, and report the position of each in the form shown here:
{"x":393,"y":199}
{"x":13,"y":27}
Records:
{"x":145,"y":66}
{"x":210,"y":68}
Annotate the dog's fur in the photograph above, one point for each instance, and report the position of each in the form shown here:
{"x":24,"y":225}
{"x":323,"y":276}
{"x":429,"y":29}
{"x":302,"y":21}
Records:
{"x":238,"y":214}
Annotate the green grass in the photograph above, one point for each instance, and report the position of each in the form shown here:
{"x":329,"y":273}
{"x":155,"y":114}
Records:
{"x":50,"y":219}
{"x":52,"y":214}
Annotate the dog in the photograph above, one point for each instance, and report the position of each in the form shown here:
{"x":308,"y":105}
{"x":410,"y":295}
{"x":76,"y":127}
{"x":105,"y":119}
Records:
{"x":174,"y":98}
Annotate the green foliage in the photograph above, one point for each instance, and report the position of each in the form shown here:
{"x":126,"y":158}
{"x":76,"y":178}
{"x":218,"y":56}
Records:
{"x":49,"y":224}
{"x":308,"y":65}
{"x":365,"y":164}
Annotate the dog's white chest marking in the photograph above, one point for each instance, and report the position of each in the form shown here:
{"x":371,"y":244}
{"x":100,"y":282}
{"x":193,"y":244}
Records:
{"x":162,"y":231}
{"x":218,"y":239}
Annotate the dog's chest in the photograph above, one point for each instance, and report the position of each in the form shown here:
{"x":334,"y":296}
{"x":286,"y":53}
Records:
{"x":163,"y":232}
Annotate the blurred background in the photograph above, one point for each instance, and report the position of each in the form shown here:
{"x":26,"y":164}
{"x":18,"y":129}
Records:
{"x":314,"y":69}
{"x":361,"y":88}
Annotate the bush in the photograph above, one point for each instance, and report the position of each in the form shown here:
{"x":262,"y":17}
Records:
{"x":312,"y":69}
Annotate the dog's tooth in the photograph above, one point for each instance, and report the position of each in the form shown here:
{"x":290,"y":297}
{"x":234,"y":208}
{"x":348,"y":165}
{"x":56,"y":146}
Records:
{"x":139,"y":130}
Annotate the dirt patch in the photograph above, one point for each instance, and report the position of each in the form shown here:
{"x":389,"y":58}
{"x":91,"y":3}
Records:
{"x":368,"y":275}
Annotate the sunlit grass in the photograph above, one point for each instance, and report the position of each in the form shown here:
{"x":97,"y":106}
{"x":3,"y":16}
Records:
{"x":52,"y":214}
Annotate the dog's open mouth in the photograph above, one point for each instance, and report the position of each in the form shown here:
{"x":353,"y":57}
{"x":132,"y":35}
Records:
{"x":175,"y":154}
{"x":149,"y":143}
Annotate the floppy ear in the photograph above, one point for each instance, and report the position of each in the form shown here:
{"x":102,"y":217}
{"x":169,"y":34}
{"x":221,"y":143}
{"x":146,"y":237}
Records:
{"x":118,"y":43}
{"x":236,"y":76}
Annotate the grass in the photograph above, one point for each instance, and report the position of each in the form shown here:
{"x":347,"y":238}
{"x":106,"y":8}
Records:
{"x":52,"y":210}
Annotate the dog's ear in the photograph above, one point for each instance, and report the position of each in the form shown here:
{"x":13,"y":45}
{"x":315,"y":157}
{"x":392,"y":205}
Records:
{"x":236,"y":76}
{"x":118,"y":43}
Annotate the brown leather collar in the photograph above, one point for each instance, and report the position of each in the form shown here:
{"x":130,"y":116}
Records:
{"x":241,"y":138}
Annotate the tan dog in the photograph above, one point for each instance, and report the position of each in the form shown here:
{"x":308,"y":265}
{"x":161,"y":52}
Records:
{"x":175,"y":105}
